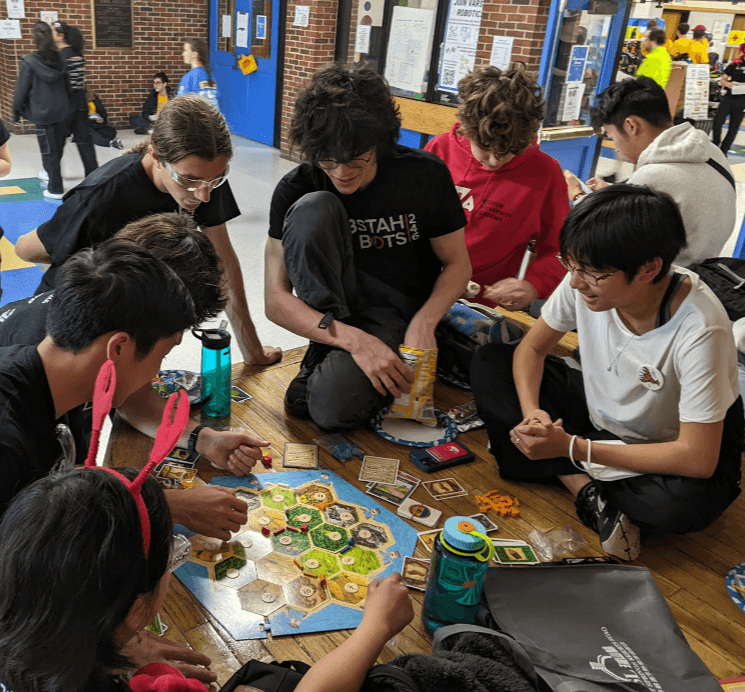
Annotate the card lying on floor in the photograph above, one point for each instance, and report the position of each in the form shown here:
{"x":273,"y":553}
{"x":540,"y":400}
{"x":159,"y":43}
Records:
{"x":396,"y":493}
{"x":411,"y":509}
{"x":300,"y":456}
{"x":428,"y":538}
{"x":180,"y":457}
{"x":444,"y":488}
{"x":238,"y":395}
{"x":414,"y":573}
{"x":379,"y":470}
{"x":176,"y":476}
{"x":515,"y":555}
{"x":489,"y":525}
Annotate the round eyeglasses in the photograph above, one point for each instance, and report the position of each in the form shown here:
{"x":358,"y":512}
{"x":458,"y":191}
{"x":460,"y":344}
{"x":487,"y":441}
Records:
{"x":192,"y":185}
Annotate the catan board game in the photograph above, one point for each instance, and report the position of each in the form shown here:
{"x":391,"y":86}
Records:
{"x":302,"y":561}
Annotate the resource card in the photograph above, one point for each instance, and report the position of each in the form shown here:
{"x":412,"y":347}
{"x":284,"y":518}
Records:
{"x":396,"y":493}
{"x":414,"y":573}
{"x":516,"y":555}
{"x":300,"y":456}
{"x":489,"y":525}
{"x":180,"y":457}
{"x":176,"y":476}
{"x":238,"y":395}
{"x":379,"y":470}
{"x":428,"y":539}
{"x":424,"y":514}
{"x":444,"y":488}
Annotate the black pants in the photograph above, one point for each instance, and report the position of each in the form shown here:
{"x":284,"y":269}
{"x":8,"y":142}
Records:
{"x":51,"y":140}
{"x":734,"y":106}
{"x":79,"y":126}
{"x":319,"y":260}
{"x":658,"y":504}
{"x":140,"y":124}
{"x":102,"y":134}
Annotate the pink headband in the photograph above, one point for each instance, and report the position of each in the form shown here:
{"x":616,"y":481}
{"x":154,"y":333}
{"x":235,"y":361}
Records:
{"x":165,"y":439}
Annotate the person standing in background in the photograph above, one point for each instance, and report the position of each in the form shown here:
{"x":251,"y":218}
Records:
{"x":732,"y":103}
{"x":657,"y":64}
{"x":199,"y":78}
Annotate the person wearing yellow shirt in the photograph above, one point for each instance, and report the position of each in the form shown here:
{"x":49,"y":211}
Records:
{"x":155,"y":101}
{"x":701,"y":28}
{"x":697,"y":50}
{"x":657,"y":64}
{"x":680,"y":45}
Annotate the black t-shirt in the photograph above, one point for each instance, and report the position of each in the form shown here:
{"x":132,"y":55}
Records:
{"x":107,"y":200}
{"x":29,"y":447}
{"x":24,"y":322}
{"x":736,"y":72}
{"x":411,"y":200}
{"x":4,"y":134}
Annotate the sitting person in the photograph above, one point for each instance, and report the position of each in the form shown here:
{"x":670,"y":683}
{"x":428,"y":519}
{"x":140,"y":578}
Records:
{"x":512,"y":192}
{"x":648,"y":436}
{"x":657,"y":65}
{"x":158,"y":97}
{"x":103,"y":134}
{"x":679,"y":160}
{"x":370,"y":236}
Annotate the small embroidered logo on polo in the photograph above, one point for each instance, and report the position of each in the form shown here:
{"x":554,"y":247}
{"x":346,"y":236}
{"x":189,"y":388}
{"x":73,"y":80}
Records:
{"x":650,"y":377}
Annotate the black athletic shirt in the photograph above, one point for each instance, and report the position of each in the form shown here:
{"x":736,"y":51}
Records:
{"x":24,"y":321}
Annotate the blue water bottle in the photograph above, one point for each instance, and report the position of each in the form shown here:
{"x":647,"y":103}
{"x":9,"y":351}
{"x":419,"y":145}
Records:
{"x":460,"y":558}
{"x":215,"y":371}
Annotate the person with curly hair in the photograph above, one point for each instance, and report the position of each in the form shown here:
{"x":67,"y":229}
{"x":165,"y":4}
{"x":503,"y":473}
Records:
{"x":370,"y":236}
{"x":512,"y":193}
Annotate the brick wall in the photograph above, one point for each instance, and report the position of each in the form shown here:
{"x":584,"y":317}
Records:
{"x":121,"y":77}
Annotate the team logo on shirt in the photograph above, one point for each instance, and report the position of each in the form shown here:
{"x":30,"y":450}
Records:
{"x":466,"y":197}
{"x":650,"y":377}
{"x":385,"y":232}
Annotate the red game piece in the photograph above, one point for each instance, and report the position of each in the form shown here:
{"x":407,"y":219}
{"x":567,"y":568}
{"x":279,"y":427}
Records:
{"x":292,"y":528}
{"x":278,"y":531}
{"x":266,"y":461}
{"x":304,"y":528}
{"x":265,"y":531}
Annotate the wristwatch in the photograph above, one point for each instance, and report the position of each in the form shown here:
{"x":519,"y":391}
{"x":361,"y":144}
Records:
{"x":191,"y":445}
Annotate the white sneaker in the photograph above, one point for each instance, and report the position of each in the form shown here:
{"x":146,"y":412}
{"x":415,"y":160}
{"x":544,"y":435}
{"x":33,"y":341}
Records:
{"x":43,"y":176}
{"x":53,"y":195}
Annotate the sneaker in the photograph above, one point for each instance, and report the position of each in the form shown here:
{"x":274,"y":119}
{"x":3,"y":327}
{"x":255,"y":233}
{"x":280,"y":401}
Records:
{"x":619,"y":536}
{"x":53,"y":195}
{"x":296,"y":397}
{"x":116,"y":144}
{"x":43,"y":176}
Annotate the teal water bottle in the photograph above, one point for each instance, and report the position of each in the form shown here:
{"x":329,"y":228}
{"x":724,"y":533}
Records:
{"x":215,"y":371}
{"x":460,"y":558}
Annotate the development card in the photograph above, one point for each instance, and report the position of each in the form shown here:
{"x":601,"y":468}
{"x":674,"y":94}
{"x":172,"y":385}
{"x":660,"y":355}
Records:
{"x":300,"y":456}
{"x":396,"y":493}
{"x":428,"y":539}
{"x":489,"y":525}
{"x":176,"y":476}
{"x":238,"y":395}
{"x":444,"y":488}
{"x":379,"y":470}
{"x":180,"y":457}
{"x":516,"y":555}
{"x":424,"y":514}
{"x":414,"y":573}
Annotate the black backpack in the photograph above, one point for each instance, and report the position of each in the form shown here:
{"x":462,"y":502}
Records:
{"x":726,"y":277}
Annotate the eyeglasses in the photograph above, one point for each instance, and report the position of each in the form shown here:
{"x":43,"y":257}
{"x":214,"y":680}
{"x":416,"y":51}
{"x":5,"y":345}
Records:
{"x":330,"y":164}
{"x":588,"y":278}
{"x":179,"y":553}
{"x":192,"y":185}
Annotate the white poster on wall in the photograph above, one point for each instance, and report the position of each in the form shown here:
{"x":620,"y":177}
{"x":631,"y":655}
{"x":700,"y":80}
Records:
{"x":697,"y":92}
{"x":573,"y":94}
{"x":408,"y":47}
{"x":10,"y":28}
{"x":501,"y":52}
{"x":16,"y":9}
{"x":241,"y":30}
{"x":227,"y":22}
{"x":362,"y":41}
{"x":302,"y":15}
{"x":48,"y":17}
{"x":461,"y":40}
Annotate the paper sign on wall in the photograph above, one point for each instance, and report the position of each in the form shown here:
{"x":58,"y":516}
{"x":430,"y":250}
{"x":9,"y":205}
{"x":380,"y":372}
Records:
{"x":501,"y":52}
{"x":461,"y":40}
{"x":48,"y":17}
{"x":408,"y":47}
{"x":227,"y":22}
{"x":16,"y":9}
{"x":577,"y":61}
{"x":260,"y":27}
{"x":697,"y":92}
{"x":10,"y":28}
{"x":573,"y":94}
{"x":241,"y":30}
{"x":302,"y":15}
{"x":362,"y":41}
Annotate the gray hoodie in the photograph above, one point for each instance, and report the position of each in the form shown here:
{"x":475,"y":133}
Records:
{"x":675,"y":162}
{"x":41,"y":91}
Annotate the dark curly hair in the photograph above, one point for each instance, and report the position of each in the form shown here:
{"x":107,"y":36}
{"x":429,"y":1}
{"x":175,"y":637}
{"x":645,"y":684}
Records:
{"x":344,"y":111}
{"x":500,"y":110}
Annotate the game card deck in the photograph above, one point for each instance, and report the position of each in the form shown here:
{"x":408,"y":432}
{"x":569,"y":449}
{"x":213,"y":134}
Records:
{"x":428,"y":539}
{"x":520,"y":554}
{"x":424,"y":514}
{"x":379,"y":470}
{"x":414,"y":573}
{"x":180,"y":457}
{"x":238,"y":395}
{"x":489,"y":525}
{"x":396,"y":493}
{"x":444,"y":488}
{"x":300,"y":456}
{"x":176,"y":476}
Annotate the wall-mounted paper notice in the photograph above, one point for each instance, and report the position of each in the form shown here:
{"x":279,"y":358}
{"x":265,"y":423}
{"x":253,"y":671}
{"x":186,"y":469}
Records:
{"x":48,"y":17}
{"x":16,"y":9}
{"x":10,"y":28}
{"x":362,"y":43}
{"x":501,"y":52}
{"x":302,"y":15}
{"x":573,"y":94}
{"x":226,"y":25}
{"x":241,"y":30}
{"x":408,"y":47}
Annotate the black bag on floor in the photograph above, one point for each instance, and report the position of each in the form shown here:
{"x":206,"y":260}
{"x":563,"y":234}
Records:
{"x":726,"y":277}
{"x":595,"y":628}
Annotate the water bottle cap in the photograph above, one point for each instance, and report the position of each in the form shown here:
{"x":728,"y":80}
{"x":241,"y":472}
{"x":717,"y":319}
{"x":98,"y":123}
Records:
{"x":213,"y":339}
{"x":457,"y":533}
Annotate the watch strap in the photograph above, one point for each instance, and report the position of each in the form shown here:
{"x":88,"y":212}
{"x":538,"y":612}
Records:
{"x":191,"y":445}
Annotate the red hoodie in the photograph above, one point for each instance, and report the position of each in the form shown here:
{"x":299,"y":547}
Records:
{"x":525,"y":198}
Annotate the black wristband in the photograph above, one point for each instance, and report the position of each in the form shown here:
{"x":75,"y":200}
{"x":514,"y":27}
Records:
{"x":191,"y":445}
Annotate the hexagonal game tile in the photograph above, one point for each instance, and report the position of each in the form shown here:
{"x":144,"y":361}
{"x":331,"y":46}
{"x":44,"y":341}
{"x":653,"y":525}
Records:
{"x":304,"y":514}
{"x":278,"y":497}
{"x":319,"y":562}
{"x":237,"y":577}
{"x":277,"y":568}
{"x":329,"y":537}
{"x":315,"y":494}
{"x":372,"y":535}
{"x":250,"y":497}
{"x":271,"y":518}
{"x":341,"y":514}
{"x":208,"y":551}
{"x":360,"y":561}
{"x":349,"y":589}
{"x":261,"y":597}
{"x":291,"y":543}
{"x":254,"y":545}
{"x":306,"y":594}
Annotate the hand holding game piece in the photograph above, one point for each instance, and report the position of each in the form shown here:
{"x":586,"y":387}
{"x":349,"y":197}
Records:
{"x":236,"y":451}
{"x":388,"y":606}
{"x":539,"y":441}
{"x":211,"y":510}
{"x":146,"y":647}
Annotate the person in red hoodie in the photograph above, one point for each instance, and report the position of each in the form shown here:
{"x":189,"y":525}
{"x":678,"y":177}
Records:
{"x":511,"y":191}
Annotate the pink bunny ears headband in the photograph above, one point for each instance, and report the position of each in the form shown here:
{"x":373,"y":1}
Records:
{"x":166,"y":438}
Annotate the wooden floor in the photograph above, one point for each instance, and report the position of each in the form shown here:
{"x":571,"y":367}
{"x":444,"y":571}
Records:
{"x":689,"y":569}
